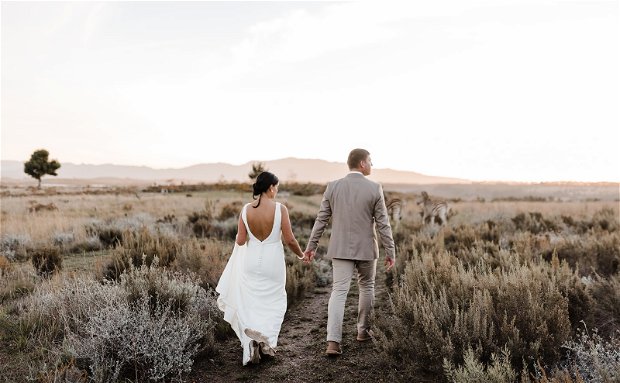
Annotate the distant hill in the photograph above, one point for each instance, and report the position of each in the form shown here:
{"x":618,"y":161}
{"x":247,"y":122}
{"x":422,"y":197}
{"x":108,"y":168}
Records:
{"x":287,"y":169}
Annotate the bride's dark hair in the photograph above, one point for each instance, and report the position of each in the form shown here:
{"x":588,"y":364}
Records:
{"x":263,"y":182}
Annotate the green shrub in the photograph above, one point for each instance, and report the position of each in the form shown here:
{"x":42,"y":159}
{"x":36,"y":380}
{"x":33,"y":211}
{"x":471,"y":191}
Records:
{"x":591,"y":253}
{"x":230,"y":210}
{"x":534,"y":222}
{"x":571,"y":285}
{"x":149,"y":326}
{"x":207,"y":259}
{"x":109,"y":235}
{"x":63,"y":240}
{"x":305,"y":189}
{"x":300,"y":278}
{"x":87,"y":245}
{"x":14,"y":282}
{"x":473,"y":371}
{"x":169,"y":219}
{"x":204,"y":225}
{"x":606,"y":220}
{"x":201,"y":228}
{"x":15,"y":246}
{"x":605,"y":313}
{"x":152,"y":283}
{"x":208,"y":213}
{"x":224,"y":230}
{"x":591,"y":358}
{"x":442,"y":307}
{"x":140,"y":248}
{"x":5,"y":266}
{"x":323,"y":272}
{"x":46,"y":260}
{"x":301,"y":222}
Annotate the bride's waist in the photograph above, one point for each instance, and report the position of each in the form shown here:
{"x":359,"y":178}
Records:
{"x":266,"y":243}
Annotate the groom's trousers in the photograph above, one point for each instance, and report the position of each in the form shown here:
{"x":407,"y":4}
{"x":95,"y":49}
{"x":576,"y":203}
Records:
{"x":343,"y":272}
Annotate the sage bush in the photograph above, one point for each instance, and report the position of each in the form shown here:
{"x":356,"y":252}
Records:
{"x":148,"y":326}
{"x":505,"y":297}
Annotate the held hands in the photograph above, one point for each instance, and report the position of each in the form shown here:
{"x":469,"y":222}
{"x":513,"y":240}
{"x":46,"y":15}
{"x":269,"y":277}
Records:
{"x":389,"y":263}
{"x":308,"y":256}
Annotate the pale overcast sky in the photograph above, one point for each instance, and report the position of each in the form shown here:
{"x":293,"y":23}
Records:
{"x":483,"y":90}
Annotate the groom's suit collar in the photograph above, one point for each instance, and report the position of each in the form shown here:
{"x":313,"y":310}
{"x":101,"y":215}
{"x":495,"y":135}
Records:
{"x":354,"y":173}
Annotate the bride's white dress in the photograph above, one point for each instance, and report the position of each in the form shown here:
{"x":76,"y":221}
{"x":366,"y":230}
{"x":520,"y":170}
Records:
{"x":252,"y":286}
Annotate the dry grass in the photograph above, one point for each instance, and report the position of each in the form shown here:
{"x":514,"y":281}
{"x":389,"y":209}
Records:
{"x":458,"y":296}
{"x":476,"y":212}
{"x":76,"y":211}
{"x":16,"y":282}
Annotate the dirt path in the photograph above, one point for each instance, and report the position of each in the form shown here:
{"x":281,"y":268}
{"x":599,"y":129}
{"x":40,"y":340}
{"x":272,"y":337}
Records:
{"x":301,"y":350}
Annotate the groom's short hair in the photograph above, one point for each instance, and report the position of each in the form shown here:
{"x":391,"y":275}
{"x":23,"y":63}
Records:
{"x":356,"y":156}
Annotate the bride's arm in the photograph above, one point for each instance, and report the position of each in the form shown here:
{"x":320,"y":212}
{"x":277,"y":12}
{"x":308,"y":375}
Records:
{"x":287,"y":233}
{"x":242,"y":233}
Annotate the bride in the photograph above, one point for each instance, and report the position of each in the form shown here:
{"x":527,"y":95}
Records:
{"x":252,"y":286}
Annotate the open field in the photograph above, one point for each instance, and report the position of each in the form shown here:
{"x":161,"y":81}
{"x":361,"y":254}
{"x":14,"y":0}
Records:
{"x":504,"y":291}
{"x":569,"y":191}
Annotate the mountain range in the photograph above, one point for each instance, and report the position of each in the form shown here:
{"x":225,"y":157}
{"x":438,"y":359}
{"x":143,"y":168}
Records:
{"x":287,"y":170}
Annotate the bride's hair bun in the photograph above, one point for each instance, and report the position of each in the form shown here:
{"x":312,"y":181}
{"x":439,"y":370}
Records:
{"x":263,"y":182}
{"x":255,"y":188}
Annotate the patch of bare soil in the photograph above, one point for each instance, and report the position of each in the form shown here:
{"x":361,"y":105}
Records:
{"x":301,"y":349}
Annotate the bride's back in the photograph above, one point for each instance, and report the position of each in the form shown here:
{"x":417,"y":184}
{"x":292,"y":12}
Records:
{"x":261,"y":219}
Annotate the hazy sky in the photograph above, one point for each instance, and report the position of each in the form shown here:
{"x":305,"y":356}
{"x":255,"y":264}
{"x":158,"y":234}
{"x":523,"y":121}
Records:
{"x":483,"y":90}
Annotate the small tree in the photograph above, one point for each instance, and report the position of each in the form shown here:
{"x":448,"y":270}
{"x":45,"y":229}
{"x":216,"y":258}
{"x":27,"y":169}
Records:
{"x":257,"y":168}
{"x":39,"y":165}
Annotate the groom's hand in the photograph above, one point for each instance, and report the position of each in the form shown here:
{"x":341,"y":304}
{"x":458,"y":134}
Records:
{"x":308,"y":255}
{"x":389,"y":263}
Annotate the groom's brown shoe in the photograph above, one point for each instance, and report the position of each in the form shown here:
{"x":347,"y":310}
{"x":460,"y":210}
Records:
{"x":365,"y":335}
{"x":333,"y":348}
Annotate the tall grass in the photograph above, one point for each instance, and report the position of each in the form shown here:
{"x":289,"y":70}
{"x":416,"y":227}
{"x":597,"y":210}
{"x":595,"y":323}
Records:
{"x":517,"y":286}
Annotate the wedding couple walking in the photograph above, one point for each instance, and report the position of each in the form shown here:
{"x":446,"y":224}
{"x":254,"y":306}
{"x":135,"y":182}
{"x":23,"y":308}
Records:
{"x":252,"y":286}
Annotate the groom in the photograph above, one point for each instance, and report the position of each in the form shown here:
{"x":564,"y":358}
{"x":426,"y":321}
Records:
{"x":355,"y":206}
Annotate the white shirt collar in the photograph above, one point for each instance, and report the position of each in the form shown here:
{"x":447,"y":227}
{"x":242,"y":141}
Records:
{"x":355,"y":171}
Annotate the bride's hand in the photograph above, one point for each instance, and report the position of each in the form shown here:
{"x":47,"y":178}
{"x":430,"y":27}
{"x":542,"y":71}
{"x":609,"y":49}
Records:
{"x":308,"y":256}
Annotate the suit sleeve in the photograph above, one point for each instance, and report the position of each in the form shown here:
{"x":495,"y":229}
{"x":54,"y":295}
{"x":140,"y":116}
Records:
{"x":322,"y":218}
{"x":382,"y":221}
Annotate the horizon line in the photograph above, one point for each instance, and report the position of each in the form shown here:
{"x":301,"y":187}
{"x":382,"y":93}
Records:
{"x":477,"y":181}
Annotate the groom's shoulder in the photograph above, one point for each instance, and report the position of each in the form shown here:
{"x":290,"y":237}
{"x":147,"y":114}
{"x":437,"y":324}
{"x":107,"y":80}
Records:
{"x":358,"y":180}
{"x":365,"y":180}
{"x":373,"y":184}
{"x":333,"y":184}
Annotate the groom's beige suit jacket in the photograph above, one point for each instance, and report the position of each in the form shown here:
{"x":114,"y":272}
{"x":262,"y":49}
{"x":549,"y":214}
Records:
{"x":357,"y":210}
